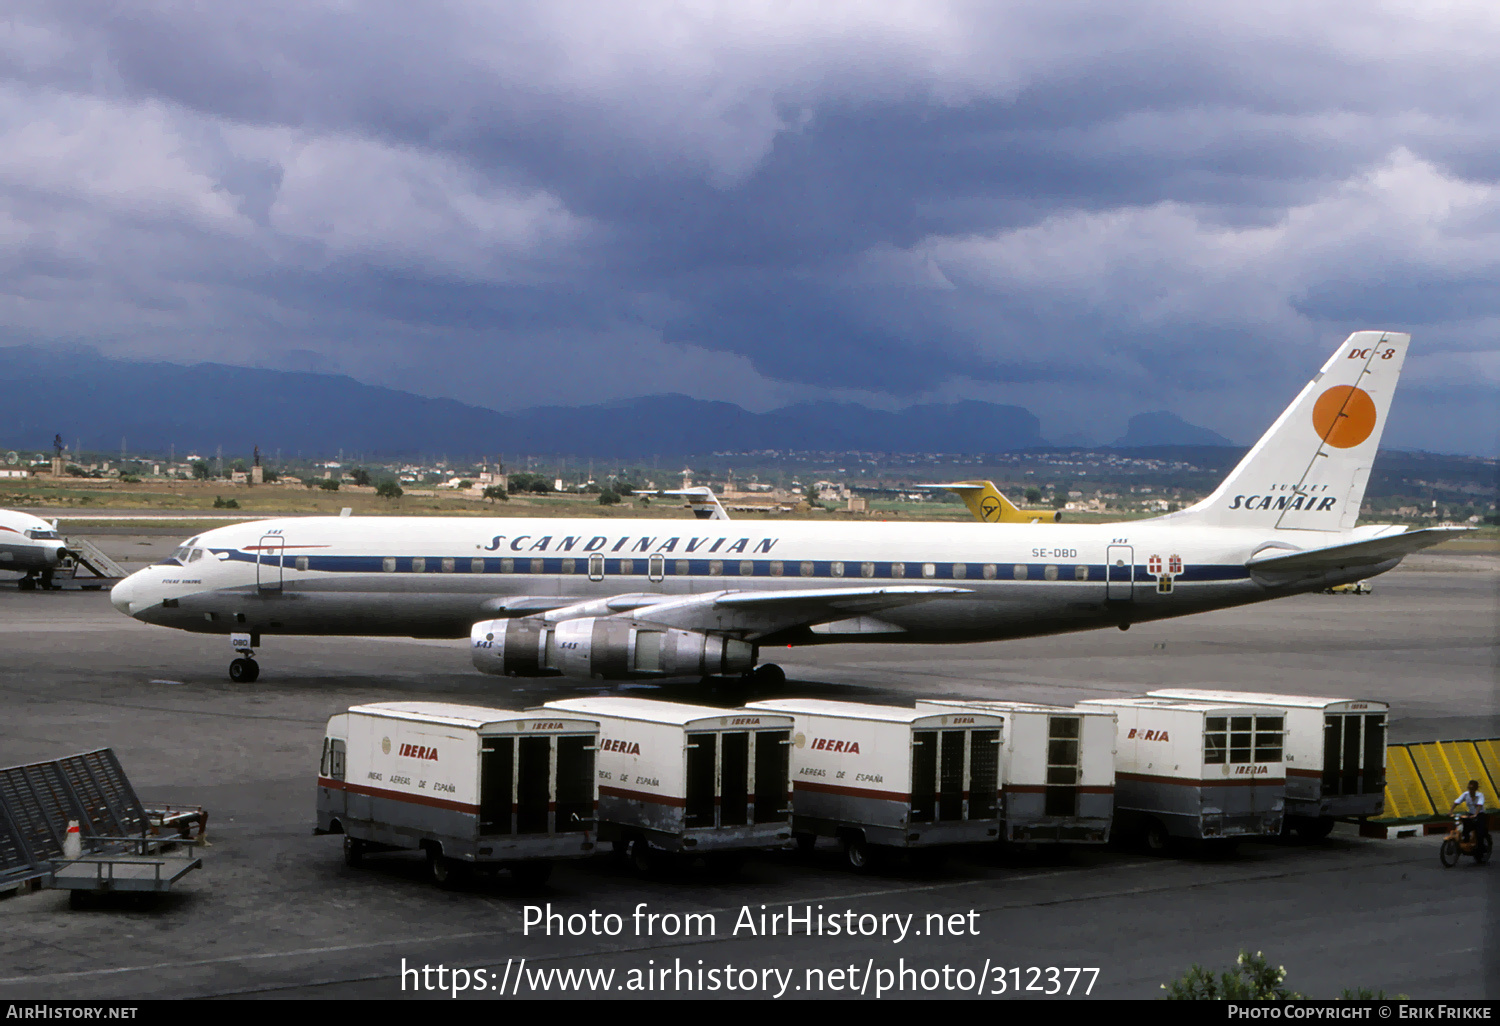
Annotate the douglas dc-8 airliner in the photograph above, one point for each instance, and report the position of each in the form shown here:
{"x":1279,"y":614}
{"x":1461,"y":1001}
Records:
{"x":31,"y":546}
{"x":640,"y":599}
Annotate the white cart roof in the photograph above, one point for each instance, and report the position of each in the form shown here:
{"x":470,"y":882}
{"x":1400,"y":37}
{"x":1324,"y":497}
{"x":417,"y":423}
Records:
{"x":1007,"y":705}
{"x":650,"y":710}
{"x":848,"y":710}
{"x":445,"y":714}
{"x":1257,"y":698}
{"x":1221,"y":708}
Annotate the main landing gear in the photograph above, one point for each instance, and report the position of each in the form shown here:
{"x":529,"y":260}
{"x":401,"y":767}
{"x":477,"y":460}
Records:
{"x":29,"y":582}
{"x":245,"y":669}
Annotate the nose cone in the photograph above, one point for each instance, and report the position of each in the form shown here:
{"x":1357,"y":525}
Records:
{"x":120,"y":594}
{"x":57,"y":554}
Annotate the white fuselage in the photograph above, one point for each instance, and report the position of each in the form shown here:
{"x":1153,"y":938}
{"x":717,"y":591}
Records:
{"x":435,"y":577}
{"x":29,"y":544}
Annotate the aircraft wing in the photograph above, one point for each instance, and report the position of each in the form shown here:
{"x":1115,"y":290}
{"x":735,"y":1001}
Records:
{"x":757,"y":613}
{"x":1355,"y":554}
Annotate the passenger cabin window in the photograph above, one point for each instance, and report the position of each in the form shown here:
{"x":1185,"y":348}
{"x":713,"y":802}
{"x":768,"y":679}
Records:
{"x":898,"y":569}
{"x":683,"y":568}
{"x":807,"y":569}
{"x":1080,"y":573}
{"x":568,"y":566}
{"x":867,"y":569}
{"x":715,"y":567}
{"x":960,"y":571}
{"x":476,"y":566}
{"x":627,"y":566}
{"x":989,"y":571}
{"x":536,"y":566}
{"x":507,"y":566}
{"x":1240,"y":731}
{"x":419,"y":565}
{"x":747,"y":568}
{"x":448,"y":565}
{"x":1215,"y":739}
{"x":836,"y":569}
{"x":301,"y":562}
{"x":388,"y":564}
{"x":1019,"y":571}
{"x":775,"y":568}
{"x":1268,"y":735}
{"x":929,"y":569}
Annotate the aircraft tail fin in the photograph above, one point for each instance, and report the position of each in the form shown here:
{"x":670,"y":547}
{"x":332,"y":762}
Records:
{"x":1310,"y":469}
{"x":991,"y":507}
{"x":702,"y":501}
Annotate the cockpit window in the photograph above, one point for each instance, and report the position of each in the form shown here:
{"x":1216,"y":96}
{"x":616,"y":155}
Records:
{"x":195,"y":555}
{"x":42,"y":535}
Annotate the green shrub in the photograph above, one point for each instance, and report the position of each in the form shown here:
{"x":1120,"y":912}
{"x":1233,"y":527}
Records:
{"x":1252,"y":979}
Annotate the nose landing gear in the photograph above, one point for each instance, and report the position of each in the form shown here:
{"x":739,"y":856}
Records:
{"x":245,"y":669}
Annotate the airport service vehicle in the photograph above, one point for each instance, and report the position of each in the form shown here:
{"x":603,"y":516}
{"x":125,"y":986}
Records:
{"x":31,"y":546}
{"x":612,"y":599}
{"x":878,"y":777}
{"x":470,"y":787}
{"x":688,"y":779}
{"x":1357,"y":588}
{"x":1196,"y":770}
{"x":1454,"y":846}
{"x":1335,"y":754}
{"x":1057,"y":769}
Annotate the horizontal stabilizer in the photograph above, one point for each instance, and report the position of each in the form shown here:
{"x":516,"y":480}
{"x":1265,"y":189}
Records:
{"x":1355,"y":554}
{"x":700,"y":499}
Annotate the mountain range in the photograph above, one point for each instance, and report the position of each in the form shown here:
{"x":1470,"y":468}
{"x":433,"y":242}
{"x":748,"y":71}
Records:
{"x":96,"y":402}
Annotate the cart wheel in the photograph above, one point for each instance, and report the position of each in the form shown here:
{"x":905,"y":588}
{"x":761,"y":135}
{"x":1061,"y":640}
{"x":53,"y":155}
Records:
{"x":531,"y":874}
{"x":1157,"y":838}
{"x":1483,"y":849}
{"x":1448,"y":853}
{"x":354,"y":851}
{"x":1314,"y":829}
{"x":858,"y":854}
{"x":639,"y":853}
{"x":446,"y":873}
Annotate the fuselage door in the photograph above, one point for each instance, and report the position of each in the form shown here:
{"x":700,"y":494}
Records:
{"x":269,"y":557}
{"x":1119,"y":573}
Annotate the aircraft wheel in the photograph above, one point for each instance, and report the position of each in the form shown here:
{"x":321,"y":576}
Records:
{"x":768,"y":675}
{"x":244,"y":671}
{"x":27,"y":584}
{"x":354,"y":850}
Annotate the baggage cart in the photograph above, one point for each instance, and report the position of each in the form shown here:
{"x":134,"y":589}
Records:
{"x":1335,"y":754}
{"x":1198,"y":770}
{"x":688,"y":779}
{"x":1057,"y":769}
{"x":469,"y":786}
{"x":879,"y":777}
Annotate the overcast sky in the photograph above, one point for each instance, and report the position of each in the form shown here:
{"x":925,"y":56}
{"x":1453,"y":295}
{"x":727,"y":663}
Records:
{"x":1090,"y":209}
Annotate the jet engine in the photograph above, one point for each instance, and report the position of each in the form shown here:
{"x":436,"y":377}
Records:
{"x":603,"y":648}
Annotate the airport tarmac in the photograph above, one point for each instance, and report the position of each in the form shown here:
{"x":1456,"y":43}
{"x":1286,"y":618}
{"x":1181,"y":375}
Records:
{"x":275,"y":912}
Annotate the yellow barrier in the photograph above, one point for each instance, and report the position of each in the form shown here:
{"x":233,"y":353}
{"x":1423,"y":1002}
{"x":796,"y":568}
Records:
{"x":1405,"y":797}
{"x":1423,"y":779}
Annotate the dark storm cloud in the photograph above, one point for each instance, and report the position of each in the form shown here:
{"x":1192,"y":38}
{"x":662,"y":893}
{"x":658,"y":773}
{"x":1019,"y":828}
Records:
{"x":1127,"y":208}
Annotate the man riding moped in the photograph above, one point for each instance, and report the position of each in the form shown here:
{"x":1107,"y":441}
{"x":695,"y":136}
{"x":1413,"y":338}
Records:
{"x":1475,"y":822}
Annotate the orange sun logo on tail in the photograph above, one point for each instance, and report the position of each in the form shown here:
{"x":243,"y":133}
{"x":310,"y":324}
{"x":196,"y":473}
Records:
{"x":1344,"y":416}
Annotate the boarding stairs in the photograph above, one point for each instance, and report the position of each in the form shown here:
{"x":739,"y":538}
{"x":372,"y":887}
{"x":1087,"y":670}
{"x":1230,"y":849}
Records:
{"x":125,"y":846}
{"x":85,"y":555}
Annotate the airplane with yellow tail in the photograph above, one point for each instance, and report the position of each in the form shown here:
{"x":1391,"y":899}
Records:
{"x":989,"y":506}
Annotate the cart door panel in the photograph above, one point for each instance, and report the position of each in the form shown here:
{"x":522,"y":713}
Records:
{"x":734,"y":778}
{"x":924,"y":765}
{"x":497,"y":758}
{"x":700,"y":780}
{"x":533,"y":784}
{"x":772,"y":768}
{"x":575,"y":783}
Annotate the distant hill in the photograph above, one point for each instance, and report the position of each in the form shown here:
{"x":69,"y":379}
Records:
{"x":1163,"y":428}
{"x":95,"y":400}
